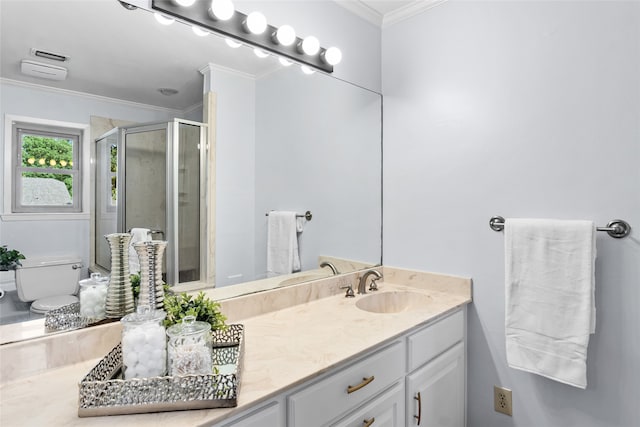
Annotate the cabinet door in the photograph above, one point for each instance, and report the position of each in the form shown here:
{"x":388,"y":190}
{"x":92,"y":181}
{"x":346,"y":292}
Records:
{"x":436,"y":392}
{"x":267,"y":416}
{"x":387,"y":410}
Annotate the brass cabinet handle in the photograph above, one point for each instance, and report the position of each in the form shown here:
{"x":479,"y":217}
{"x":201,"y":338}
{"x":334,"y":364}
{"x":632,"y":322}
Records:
{"x":367,"y":423}
{"x":419,"y":416}
{"x":364,"y":382}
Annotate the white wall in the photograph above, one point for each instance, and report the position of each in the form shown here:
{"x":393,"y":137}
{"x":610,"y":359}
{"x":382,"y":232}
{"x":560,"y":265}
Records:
{"x":520,"y":109}
{"x":60,"y":237}
{"x":318,"y":149}
{"x":235,"y":175}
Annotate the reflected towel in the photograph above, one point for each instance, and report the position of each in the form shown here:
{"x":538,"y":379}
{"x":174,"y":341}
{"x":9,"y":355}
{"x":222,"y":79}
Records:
{"x":550,"y":306}
{"x":283,"y":256}
{"x":137,"y":235}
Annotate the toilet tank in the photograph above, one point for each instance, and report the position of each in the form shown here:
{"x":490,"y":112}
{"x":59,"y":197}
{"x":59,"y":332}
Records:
{"x":48,"y":277}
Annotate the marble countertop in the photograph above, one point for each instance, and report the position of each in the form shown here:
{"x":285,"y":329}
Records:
{"x":283,"y":348}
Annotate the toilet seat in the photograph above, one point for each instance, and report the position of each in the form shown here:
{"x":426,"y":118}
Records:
{"x":43,"y":305}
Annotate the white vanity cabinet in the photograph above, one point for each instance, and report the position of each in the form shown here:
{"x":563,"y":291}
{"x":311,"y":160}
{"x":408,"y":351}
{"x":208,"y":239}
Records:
{"x":386,"y":410}
{"x":269,"y":415}
{"x":420,"y":373}
{"x":341,"y":392}
{"x":435,"y":386}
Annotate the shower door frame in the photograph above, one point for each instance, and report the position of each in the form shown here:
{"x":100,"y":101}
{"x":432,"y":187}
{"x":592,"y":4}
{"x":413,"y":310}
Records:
{"x":172,"y":129}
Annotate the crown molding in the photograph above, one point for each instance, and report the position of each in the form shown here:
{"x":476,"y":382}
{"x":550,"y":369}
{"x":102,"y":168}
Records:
{"x":409,"y":11}
{"x":362,"y":9}
{"x":171,"y":111}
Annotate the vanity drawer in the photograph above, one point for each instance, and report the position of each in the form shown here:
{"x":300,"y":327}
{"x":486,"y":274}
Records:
{"x":347,"y":388}
{"x":434,"y":339}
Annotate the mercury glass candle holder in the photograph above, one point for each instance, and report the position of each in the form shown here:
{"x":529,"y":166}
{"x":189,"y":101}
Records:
{"x":151,"y":287}
{"x":119,"y":300}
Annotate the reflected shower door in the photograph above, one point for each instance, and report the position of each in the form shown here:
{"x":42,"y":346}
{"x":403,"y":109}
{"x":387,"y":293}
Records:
{"x":153,"y":176}
{"x":105,"y":195}
{"x":143,"y":155}
{"x":188,"y":201}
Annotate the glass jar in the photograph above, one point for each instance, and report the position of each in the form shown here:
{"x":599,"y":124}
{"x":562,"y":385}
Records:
{"x":93,"y":296}
{"x":189,"y":349}
{"x":144,"y":343}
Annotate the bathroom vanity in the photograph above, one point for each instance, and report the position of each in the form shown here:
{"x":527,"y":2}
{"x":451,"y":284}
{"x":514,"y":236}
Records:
{"x":312,"y":358}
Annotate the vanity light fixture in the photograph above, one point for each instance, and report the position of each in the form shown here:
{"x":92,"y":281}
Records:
{"x":255,"y":23}
{"x":185,"y":3}
{"x":307,"y":70}
{"x":221,"y":10}
{"x":219,"y":16}
{"x":232,"y":43}
{"x":285,"y":35}
{"x":199,"y":31}
{"x":310,"y":45}
{"x":285,"y":62}
{"x":260,"y":53}
{"x":163,"y":19}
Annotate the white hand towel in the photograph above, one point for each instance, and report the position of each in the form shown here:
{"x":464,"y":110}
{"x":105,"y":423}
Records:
{"x":550,"y":306}
{"x":283,"y":256}
{"x":137,"y":235}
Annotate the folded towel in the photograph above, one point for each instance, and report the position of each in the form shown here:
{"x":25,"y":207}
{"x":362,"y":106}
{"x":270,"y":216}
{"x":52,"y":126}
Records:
{"x":283,"y":256}
{"x":550,"y":306}
{"x":137,"y":235}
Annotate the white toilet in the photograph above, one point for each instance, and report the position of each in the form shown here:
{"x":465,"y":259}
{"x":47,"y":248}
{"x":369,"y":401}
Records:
{"x":50,"y":282}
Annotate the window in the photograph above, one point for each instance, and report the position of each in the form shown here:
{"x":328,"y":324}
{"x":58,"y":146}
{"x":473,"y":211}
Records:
{"x":47,"y":168}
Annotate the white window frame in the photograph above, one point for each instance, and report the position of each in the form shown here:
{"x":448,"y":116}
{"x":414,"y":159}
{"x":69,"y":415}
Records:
{"x":9,"y":178}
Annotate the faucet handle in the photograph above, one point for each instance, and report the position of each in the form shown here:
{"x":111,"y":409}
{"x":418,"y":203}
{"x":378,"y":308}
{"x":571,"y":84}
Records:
{"x":349,"y":293}
{"x":374,"y":284}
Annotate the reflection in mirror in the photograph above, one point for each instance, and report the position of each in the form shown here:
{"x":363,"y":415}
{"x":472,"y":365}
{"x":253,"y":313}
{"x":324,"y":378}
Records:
{"x":158,"y":187}
{"x":283,"y":140}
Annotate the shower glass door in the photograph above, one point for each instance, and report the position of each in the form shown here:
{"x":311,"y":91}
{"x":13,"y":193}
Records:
{"x":157,"y":175}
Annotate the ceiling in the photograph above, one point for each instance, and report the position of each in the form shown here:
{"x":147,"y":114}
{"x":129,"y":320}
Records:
{"x":127,"y":55}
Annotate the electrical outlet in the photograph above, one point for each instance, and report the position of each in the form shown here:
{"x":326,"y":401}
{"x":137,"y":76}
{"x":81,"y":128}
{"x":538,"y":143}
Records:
{"x":502,"y":400}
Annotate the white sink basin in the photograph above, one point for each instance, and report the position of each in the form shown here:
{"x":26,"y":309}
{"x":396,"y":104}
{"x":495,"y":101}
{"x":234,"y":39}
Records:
{"x":394,"y":302}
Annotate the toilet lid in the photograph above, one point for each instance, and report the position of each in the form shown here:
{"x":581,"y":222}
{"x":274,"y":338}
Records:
{"x":46,"y":304}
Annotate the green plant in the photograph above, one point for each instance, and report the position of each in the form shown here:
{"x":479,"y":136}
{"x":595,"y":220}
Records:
{"x":9,"y":258}
{"x":180,"y":305}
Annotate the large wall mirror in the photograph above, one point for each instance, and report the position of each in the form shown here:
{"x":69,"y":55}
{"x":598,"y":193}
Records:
{"x":283,"y":140}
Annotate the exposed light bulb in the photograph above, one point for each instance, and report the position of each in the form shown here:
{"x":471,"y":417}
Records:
{"x":260,"y":53}
{"x":307,"y":70}
{"x":185,"y":3}
{"x":285,"y":62}
{"x":256,"y":23}
{"x":310,"y":45}
{"x":163,"y":19}
{"x":199,"y":31}
{"x":286,"y":35}
{"x":221,"y":9}
{"x":232,"y":43}
{"x":332,"y":56}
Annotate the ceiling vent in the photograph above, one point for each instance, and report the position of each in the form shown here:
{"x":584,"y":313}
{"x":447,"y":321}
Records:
{"x":44,"y":71}
{"x":49,"y":55}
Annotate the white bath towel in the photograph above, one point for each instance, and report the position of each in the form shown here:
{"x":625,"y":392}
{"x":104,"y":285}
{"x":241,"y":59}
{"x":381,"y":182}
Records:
{"x":550,"y":306}
{"x":137,"y":235}
{"x":283,"y":256}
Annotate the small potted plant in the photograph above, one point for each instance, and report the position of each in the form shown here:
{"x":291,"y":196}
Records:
{"x":178,"y":306}
{"x":9,"y":258}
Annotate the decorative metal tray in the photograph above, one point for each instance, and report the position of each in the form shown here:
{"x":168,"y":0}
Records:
{"x":104,"y":392}
{"x":66,"y":318}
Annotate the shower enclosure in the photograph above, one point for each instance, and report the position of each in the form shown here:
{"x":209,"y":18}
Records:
{"x":153,"y":176}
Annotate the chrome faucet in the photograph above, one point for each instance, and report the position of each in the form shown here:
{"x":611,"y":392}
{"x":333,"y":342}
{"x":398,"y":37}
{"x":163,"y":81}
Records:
{"x":331,"y":266}
{"x":362,"y":285}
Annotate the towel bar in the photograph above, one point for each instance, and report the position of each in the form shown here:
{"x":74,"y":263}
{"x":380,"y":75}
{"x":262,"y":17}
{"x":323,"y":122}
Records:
{"x":307,"y":215}
{"x":616,"y":228}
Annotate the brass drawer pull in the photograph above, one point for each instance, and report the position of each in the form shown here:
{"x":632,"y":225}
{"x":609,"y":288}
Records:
{"x":364,"y":382}
{"x":419,"y":416}
{"x":367,"y":423}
